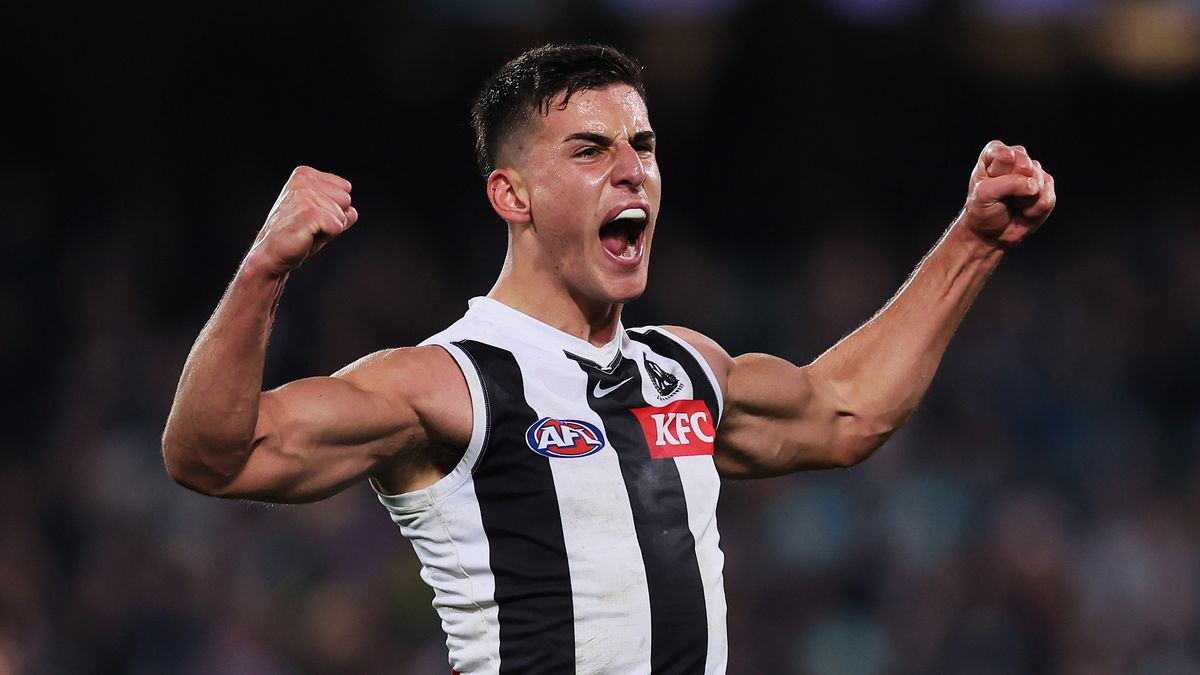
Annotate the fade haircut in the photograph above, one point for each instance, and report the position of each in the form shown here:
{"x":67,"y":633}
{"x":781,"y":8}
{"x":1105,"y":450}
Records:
{"x":531,"y":81}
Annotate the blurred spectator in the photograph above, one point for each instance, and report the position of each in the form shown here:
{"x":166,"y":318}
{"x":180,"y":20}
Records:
{"x":1038,"y":514}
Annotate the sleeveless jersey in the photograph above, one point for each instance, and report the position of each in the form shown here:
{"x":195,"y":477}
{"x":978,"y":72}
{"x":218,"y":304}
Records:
{"x":578,"y":534}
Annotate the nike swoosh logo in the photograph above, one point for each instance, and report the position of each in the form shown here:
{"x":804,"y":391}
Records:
{"x":601,"y":392}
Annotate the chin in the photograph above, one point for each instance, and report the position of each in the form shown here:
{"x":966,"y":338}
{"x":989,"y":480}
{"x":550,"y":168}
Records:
{"x":624,"y":293}
{"x":609,"y":287}
{"x":626,"y":299}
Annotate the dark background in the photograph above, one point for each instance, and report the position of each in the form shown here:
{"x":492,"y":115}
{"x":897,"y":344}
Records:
{"x":1039,"y":514}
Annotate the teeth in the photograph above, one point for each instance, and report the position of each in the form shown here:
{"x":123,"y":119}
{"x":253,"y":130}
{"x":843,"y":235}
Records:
{"x":635,"y":214}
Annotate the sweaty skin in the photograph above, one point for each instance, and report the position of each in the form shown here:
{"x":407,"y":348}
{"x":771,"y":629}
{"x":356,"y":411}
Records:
{"x":579,"y":166}
{"x":403,"y":416}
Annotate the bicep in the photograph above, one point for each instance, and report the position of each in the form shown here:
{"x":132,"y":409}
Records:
{"x":316,"y":436}
{"x":779,"y":418}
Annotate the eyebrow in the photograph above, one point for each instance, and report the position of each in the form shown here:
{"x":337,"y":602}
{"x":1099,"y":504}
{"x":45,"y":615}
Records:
{"x":605,"y":141}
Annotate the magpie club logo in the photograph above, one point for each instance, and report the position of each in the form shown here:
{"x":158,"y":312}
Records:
{"x":666,"y":384}
{"x":551,"y":437}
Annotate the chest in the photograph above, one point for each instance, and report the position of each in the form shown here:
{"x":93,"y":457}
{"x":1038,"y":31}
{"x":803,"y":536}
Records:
{"x":634,"y":435}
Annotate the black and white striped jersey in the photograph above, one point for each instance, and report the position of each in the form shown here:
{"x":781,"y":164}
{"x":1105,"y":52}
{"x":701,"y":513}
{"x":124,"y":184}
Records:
{"x":578,"y":534}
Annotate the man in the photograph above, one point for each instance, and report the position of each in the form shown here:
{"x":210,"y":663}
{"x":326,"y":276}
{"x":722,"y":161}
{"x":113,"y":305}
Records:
{"x":556,"y":473}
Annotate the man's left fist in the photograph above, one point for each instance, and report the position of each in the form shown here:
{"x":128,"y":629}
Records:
{"x":1009,"y":196}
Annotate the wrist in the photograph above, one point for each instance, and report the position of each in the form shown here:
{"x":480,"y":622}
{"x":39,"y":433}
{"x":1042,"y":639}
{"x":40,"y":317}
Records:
{"x":258,"y":283}
{"x":258,"y":266}
{"x":965,"y":239}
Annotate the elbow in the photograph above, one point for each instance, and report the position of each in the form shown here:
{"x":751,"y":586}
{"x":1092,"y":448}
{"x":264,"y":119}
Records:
{"x":850,"y":455}
{"x":186,"y":466}
{"x":861,"y":437}
{"x":185,"y":470}
{"x":859,"y":422}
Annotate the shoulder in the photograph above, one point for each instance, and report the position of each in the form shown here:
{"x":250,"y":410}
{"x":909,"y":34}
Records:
{"x":425,"y":380}
{"x":718,"y":359}
{"x":413,"y":365}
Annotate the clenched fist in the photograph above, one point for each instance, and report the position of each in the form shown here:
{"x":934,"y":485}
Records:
{"x":313,"y":208}
{"x":1009,"y":195}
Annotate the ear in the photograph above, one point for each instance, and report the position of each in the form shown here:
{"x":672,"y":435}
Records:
{"x":506,"y":191}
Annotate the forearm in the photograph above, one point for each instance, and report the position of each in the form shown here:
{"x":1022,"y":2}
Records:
{"x":212,"y":421}
{"x":879,"y":373}
{"x":840,"y":408}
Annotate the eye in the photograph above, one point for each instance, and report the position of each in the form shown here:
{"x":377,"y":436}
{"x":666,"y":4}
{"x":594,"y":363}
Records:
{"x":646,"y":148}
{"x":587,"y":152}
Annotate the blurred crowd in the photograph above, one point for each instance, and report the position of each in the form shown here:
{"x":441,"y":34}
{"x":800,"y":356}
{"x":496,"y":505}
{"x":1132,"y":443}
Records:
{"x":1040,"y":513}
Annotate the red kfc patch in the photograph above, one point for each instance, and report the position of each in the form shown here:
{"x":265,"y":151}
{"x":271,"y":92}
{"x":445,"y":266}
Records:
{"x":679,"y":429}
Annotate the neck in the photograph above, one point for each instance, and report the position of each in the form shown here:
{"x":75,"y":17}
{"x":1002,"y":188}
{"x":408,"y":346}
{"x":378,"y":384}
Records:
{"x":555,"y":305}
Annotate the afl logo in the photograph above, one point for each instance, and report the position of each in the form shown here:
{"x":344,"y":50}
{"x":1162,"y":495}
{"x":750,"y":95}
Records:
{"x":551,"y":437}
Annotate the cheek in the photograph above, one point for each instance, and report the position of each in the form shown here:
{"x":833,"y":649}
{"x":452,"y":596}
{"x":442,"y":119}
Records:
{"x":653,"y":177}
{"x":556,"y":188}
{"x":563,"y":200}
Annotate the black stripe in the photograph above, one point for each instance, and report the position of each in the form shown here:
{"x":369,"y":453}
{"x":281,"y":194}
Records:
{"x":702,"y":387}
{"x":678,"y":620}
{"x":519,"y":508}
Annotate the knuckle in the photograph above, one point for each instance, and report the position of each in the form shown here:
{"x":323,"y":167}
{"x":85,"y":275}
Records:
{"x":299,"y":182}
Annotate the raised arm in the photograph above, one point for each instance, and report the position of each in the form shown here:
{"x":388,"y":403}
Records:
{"x":840,"y":408}
{"x":310,"y":438}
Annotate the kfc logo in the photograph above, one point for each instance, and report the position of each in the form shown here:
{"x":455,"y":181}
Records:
{"x":677,"y":430}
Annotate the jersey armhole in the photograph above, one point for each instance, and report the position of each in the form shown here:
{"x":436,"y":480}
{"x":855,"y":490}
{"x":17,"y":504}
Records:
{"x":419,"y":500}
{"x":702,"y":362}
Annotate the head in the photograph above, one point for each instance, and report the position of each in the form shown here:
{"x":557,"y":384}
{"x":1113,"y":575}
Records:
{"x":565,"y":144}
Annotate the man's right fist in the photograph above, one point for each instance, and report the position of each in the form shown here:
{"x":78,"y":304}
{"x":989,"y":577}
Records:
{"x":313,"y":208}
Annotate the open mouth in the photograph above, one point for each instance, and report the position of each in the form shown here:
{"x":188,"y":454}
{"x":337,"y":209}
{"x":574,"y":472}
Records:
{"x":622,"y":236}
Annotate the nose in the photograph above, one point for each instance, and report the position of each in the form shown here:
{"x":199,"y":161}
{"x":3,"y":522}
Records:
{"x":628,"y":169}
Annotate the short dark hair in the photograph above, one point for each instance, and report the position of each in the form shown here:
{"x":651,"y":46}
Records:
{"x":532,"y":80}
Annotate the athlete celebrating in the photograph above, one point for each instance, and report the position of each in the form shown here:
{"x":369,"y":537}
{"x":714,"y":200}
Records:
{"x":557,"y":473}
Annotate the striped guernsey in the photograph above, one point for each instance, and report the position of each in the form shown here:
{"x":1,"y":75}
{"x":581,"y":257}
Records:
{"x":578,"y":534}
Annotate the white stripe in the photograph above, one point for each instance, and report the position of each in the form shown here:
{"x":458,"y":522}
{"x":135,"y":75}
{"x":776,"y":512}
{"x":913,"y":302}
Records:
{"x":467,"y":602}
{"x":608,"y":579}
{"x":702,"y":485}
